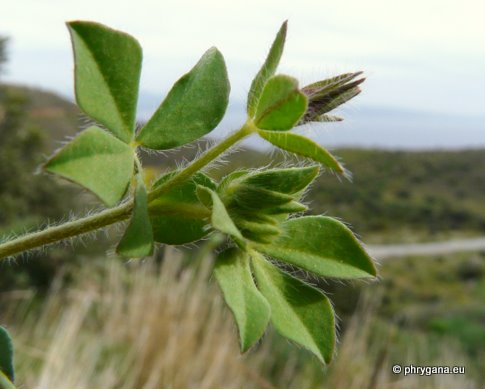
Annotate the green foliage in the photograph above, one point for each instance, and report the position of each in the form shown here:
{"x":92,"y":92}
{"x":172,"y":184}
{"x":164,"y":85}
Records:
{"x":3,"y":52}
{"x":411,"y":195}
{"x":138,"y":238}
{"x":178,"y":216}
{"x":22,"y":195}
{"x":220,"y":218}
{"x":250,"y":208}
{"x":323,"y":246}
{"x":442,"y":295}
{"x":27,"y":200}
{"x":288,"y":181}
{"x":299,"y":311}
{"x":97,"y":161}
{"x":305,"y":147}
{"x":258,"y":201}
{"x":6,"y":354}
{"x":107,"y":73}
{"x":267,"y":70}
{"x":250,"y":308}
{"x":194,"y":106}
{"x":281,"y":104}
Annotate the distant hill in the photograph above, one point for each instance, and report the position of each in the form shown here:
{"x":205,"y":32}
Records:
{"x":410,"y":192}
{"x":57,"y":117}
{"x":369,"y":127}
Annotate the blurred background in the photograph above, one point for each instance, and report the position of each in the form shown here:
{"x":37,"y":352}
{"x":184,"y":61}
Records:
{"x":414,"y":141}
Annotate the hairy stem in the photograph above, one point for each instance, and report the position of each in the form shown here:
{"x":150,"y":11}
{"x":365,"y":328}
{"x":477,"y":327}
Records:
{"x":204,"y":159}
{"x":66,"y":230}
{"x":121,"y":212}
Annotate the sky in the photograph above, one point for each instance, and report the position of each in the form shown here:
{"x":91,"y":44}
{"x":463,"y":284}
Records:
{"x":420,"y":55}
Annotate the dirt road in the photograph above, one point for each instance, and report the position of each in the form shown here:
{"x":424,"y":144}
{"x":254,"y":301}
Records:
{"x":433,"y":248}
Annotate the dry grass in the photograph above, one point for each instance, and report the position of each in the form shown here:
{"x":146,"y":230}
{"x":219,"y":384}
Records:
{"x":137,"y":327}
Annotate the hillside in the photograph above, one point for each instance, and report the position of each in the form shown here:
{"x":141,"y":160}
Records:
{"x":432,"y":192}
{"x":53,"y":114}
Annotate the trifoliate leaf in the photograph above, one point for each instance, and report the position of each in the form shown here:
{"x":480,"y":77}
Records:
{"x":107,"y":74}
{"x":98,"y":161}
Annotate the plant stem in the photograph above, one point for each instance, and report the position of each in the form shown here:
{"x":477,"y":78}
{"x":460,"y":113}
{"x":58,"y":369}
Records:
{"x":121,"y":212}
{"x":66,"y":230}
{"x":204,"y":159}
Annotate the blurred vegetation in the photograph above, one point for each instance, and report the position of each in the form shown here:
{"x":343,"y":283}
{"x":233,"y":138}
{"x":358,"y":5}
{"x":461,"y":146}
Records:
{"x":186,"y":339}
{"x":438,"y":296}
{"x":28,"y":120}
{"x":446,"y":297}
{"x":429,"y":192}
{"x":395,"y":196}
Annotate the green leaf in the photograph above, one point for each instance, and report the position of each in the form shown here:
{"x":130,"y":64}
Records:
{"x":137,"y":240}
{"x":267,"y":70}
{"x":247,"y":197}
{"x":228,"y":180}
{"x":281,"y":104}
{"x":261,"y":232}
{"x":299,"y":311}
{"x":321,"y":245}
{"x":270,"y":188}
{"x":178,"y":217}
{"x":194,"y":106}
{"x":291,"y":207}
{"x":288,"y":181}
{"x":249,"y":307}
{"x":107,"y":74}
{"x":220,"y":218}
{"x":6,"y":354}
{"x":98,"y":161}
{"x":260,"y":228}
{"x":305,"y":147}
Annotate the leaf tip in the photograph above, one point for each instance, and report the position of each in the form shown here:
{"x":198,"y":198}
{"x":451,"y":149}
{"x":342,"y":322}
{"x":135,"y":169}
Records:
{"x":284,"y":27}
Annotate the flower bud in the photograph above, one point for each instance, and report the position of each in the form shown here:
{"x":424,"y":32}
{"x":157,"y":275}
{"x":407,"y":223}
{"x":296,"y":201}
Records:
{"x":326,"y":95}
